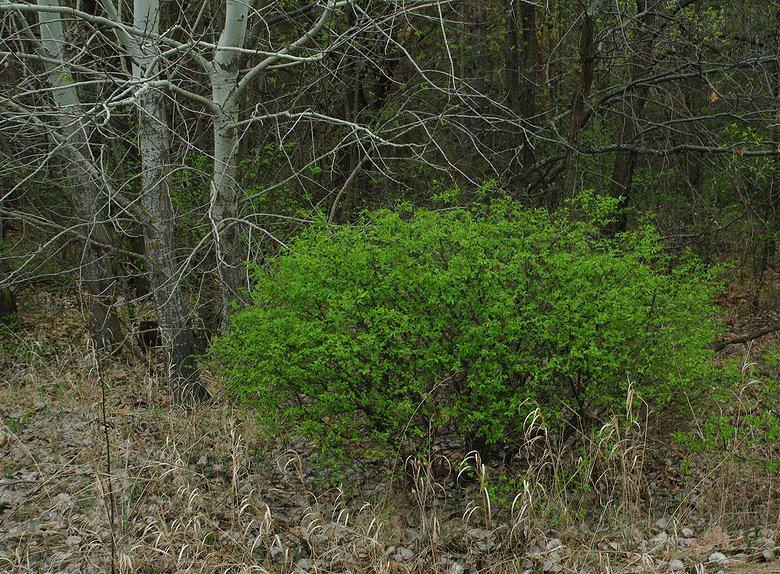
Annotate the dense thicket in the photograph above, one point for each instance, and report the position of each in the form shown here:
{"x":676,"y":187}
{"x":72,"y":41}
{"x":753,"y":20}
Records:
{"x":390,"y":332}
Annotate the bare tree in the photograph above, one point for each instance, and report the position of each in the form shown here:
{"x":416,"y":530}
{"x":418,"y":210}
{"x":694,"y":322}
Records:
{"x":70,"y":138}
{"x":154,"y":140}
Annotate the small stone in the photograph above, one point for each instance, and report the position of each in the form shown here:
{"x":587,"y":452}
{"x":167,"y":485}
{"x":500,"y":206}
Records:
{"x":676,"y":565}
{"x":718,"y":557}
{"x":402,"y":554}
{"x":553,"y":543}
{"x":768,"y":555}
{"x":457,"y":568}
{"x":73,"y":541}
{"x":662,"y":523}
{"x":661,"y":538}
{"x":304,"y":564}
{"x":62,"y":499}
{"x":687,"y":532}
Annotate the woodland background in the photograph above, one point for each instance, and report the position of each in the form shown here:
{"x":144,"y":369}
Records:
{"x":149,"y":149}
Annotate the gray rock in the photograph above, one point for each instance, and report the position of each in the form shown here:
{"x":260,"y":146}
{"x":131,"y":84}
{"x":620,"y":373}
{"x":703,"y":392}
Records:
{"x":403,"y":554}
{"x":660,"y":538}
{"x":718,"y":557}
{"x":662,"y":523}
{"x":553,"y":543}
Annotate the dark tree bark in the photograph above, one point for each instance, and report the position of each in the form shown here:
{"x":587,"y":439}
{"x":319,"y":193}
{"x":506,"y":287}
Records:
{"x":640,"y":66}
{"x":522,"y":51}
{"x":581,"y":92}
{"x":8,"y":308}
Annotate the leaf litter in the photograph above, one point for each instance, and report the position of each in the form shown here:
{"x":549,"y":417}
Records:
{"x":205,"y":492}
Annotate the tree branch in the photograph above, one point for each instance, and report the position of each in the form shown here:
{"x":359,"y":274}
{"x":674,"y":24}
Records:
{"x":720,"y":345}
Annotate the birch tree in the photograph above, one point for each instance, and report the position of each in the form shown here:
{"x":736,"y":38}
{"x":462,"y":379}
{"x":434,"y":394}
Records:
{"x":154,"y":210}
{"x":228,"y":84}
{"x":154,"y":135}
{"x":72,"y":141}
{"x":227,"y":87}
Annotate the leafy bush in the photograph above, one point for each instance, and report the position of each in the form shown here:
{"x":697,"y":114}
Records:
{"x":380,"y":334}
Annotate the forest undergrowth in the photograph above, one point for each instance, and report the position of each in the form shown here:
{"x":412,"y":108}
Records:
{"x":99,"y":473}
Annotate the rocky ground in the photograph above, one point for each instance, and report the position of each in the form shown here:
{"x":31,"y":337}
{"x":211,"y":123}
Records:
{"x":99,"y":473}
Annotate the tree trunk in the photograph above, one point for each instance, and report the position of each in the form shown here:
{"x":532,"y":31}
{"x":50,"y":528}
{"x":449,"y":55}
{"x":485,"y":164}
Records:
{"x":473,"y":73}
{"x":159,"y":240}
{"x":522,"y":51}
{"x":640,"y":63}
{"x":96,"y":266}
{"x":7,"y":298}
{"x":224,"y":201}
{"x":581,"y":92}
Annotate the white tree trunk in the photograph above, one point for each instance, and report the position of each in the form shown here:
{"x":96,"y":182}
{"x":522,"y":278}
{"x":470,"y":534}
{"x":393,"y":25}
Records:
{"x":154,"y":144}
{"x":224,"y":200}
{"x":96,"y":267}
{"x":227,"y":85}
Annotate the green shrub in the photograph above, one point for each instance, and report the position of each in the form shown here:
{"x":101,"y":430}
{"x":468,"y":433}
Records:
{"x":378,"y":335}
{"x":742,"y":418}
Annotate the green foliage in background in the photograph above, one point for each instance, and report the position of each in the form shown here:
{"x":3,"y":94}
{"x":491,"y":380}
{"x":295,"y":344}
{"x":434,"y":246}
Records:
{"x":381,"y":334}
{"x":743,"y":419}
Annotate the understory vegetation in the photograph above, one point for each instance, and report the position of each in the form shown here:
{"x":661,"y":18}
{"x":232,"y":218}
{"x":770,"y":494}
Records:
{"x":99,"y":469}
{"x":381,"y":336}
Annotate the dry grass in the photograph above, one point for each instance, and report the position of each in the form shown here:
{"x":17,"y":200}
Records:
{"x":203,"y":491}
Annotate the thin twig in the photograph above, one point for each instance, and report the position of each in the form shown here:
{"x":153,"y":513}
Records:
{"x":111,"y":499}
